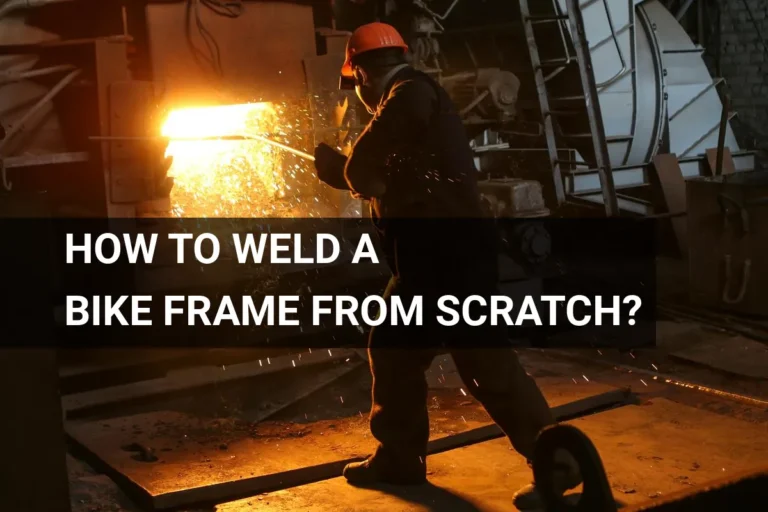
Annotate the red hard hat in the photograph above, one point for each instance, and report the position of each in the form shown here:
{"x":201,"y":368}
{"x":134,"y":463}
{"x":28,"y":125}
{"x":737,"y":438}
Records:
{"x":373,"y":36}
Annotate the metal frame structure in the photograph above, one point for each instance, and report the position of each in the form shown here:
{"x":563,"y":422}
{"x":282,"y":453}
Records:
{"x":582,"y":59}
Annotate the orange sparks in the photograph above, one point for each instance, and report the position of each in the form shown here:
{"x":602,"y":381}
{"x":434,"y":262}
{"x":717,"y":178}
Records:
{"x":236,"y":178}
{"x":224,"y":178}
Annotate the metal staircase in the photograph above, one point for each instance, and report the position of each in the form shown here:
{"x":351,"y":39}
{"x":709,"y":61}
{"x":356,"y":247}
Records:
{"x":544,"y":71}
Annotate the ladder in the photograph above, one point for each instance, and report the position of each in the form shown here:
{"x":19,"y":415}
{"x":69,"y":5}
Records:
{"x":582,"y":59}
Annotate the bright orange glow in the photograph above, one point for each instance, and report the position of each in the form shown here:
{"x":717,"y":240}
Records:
{"x":219,"y":178}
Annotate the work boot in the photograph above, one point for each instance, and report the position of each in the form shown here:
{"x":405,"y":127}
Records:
{"x":567,"y":476}
{"x":370,"y":471}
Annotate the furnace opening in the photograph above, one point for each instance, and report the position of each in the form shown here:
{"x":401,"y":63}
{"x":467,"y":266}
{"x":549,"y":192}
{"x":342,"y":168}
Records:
{"x":231,"y":178}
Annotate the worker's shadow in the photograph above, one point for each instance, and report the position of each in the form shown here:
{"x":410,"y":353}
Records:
{"x":428,"y":496}
{"x":432,"y":497}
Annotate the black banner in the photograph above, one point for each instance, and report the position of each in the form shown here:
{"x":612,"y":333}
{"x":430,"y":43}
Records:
{"x":313,"y":283}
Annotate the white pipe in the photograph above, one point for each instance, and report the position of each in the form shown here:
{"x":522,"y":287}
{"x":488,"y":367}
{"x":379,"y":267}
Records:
{"x":8,"y":77}
{"x":19,"y":125}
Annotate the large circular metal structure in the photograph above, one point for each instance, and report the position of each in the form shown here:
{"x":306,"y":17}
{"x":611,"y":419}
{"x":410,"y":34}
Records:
{"x":654,"y":86}
{"x":656,"y":93}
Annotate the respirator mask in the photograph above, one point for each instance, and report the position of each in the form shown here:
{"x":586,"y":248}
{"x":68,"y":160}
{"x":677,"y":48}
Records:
{"x":368,"y":92}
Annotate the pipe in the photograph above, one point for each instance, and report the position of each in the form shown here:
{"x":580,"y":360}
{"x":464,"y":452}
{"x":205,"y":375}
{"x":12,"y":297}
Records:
{"x":284,"y":147}
{"x":623,"y":71}
{"x":8,"y":77}
{"x":17,"y":5}
{"x":18,"y":126}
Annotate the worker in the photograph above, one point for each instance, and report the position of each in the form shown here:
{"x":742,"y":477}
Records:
{"x":413,"y":162}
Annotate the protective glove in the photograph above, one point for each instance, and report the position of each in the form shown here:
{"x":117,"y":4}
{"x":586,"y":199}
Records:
{"x":329,"y":164}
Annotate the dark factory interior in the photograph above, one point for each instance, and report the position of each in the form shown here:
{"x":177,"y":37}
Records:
{"x":169,"y":115}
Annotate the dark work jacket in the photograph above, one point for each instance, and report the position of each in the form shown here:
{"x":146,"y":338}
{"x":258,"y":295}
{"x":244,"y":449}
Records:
{"x":430,"y":219}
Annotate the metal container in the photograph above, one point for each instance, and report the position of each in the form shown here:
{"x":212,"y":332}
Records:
{"x":511,"y":197}
{"x":728,"y":242}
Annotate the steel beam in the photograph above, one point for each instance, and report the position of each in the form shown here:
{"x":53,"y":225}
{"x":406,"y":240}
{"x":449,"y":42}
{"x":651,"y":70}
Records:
{"x":588,"y":182}
{"x":18,"y":162}
{"x":683,"y":9}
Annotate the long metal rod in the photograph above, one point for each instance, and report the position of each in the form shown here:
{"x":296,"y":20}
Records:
{"x":683,"y":9}
{"x":284,"y":147}
{"x":280,"y":145}
{"x":660,"y":377}
{"x":721,"y":137}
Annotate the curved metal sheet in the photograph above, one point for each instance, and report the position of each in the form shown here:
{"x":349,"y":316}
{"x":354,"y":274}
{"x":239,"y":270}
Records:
{"x":655,"y":77}
{"x":693,"y":102}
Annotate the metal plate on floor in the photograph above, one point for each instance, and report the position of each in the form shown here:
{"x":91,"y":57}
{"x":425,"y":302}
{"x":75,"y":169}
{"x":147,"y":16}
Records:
{"x":648,"y":451}
{"x":156,"y":457}
{"x":736,"y":355}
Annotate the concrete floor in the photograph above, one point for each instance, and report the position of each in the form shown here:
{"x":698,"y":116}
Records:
{"x":678,"y":439}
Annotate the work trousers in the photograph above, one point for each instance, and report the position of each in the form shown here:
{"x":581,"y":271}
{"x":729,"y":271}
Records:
{"x":491,"y":372}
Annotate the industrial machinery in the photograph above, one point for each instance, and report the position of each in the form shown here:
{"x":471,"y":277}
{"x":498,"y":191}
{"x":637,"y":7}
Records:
{"x":103,"y":87}
{"x":522,"y":74}
{"x":655,"y":91}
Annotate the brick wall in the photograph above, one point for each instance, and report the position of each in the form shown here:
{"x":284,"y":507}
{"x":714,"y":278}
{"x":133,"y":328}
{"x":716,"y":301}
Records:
{"x":744,"y":65}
